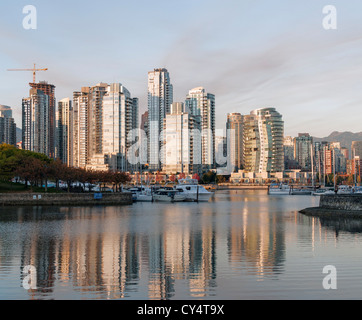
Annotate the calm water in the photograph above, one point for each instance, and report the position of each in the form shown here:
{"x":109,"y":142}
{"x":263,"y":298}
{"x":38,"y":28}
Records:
{"x":240,"y":245}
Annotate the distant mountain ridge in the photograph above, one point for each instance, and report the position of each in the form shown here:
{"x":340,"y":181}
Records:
{"x":345,"y":138}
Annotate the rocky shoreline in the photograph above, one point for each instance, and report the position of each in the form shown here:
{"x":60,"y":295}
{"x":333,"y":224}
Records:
{"x":337,"y":206}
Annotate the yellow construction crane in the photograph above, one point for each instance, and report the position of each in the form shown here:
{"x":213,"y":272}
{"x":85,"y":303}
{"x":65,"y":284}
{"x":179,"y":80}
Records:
{"x":34,"y":70}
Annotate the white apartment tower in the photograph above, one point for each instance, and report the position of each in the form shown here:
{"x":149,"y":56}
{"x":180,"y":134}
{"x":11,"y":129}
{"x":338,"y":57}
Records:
{"x":182,"y":141}
{"x":202,"y":104}
{"x":160,"y":97}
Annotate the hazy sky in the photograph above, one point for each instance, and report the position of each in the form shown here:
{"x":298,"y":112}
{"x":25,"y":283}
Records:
{"x":250,"y":53}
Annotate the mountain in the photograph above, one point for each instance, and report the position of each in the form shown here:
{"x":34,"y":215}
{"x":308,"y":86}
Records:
{"x":345,"y":138}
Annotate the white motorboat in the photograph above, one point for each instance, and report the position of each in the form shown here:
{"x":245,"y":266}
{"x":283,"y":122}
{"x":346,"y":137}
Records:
{"x":301,"y":191}
{"x":357,"y":190}
{"x":142,"y":193}
{"x":322,"y":191}
{"x":279,"y":189}
{"x":193,"y":191}
{"x":343,"y":189}
{"x":169,"y":195}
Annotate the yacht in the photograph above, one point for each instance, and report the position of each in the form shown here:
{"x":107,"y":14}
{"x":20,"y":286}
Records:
{"x":301,"y":191}
{"x":322,"y":191}
{"x":357,"y":190}
{"x":279,"y":189}
{"x":343,"y":189}
{"x":169,"y":195}
{"x":141,"y":193}
{"x":193,"y":191}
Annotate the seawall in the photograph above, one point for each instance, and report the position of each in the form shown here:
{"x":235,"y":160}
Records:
{"x":337,"y":206}
{"x":63,"y":199}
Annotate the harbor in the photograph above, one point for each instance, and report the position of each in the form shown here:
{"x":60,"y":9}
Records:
{"x":241,"y":244}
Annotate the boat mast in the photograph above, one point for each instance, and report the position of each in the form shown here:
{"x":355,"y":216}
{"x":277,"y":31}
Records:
{"x":354,"y":167}
{"x":334,"y":167}
{"x":312,"y":164}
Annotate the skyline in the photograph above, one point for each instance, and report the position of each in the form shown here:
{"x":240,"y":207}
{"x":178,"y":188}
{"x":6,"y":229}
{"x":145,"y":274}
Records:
{"x":252,"y":55}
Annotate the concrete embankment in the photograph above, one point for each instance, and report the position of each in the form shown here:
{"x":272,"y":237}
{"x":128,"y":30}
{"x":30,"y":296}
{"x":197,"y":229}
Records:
{"x":337,"y":206}
{"x":64,"y":199}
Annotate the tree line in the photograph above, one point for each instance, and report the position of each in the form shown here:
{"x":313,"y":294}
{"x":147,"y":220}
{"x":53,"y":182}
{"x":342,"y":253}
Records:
{"x":37,"y":169}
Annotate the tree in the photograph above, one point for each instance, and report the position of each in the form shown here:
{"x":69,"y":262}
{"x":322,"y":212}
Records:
{"x":196,"y":177}
{"x":209,"y":177}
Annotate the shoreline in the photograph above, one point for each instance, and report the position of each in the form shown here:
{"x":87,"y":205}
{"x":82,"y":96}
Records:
{"x":63,"y":199}
{"x":337,"y":206}
{"x":331,"y":213}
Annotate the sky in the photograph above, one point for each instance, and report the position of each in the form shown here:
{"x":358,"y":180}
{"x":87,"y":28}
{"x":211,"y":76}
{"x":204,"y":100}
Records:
{"x":250,"y":53}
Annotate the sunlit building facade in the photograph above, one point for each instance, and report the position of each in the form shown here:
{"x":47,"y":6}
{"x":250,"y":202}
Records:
{"x":160,"y":97}
{"x":263,"y":141}
{"x":201,"y":104}
{"x":182,"y":141}
{"x":234,"y":125}
{"x":303,"y":151}
{"x":36,"y":130}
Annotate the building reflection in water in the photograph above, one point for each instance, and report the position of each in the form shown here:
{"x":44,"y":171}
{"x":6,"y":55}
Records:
{"x":256,"y":242}
{"x":103,"y":252}
{"x":161,"y":249}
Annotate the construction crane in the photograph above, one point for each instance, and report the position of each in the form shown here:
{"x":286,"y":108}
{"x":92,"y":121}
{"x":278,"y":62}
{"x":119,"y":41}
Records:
{"x":34,"y":70}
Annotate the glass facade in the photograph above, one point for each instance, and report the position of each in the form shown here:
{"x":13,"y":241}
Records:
{"x":263,"y":141}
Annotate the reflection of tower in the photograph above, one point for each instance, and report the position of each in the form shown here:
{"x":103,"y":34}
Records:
{"x":161,"y":283}
{"x":259,"y":239}
{"x":40,"y":253}
{"x":202,"y":258}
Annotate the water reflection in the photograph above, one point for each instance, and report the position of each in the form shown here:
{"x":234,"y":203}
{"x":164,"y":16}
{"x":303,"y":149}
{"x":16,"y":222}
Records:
{"x":153,"y":251}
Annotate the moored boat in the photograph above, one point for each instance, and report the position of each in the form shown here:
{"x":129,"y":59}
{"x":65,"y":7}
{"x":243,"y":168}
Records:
{"x":193,"y":191}
{"x":279,"y":189}
{"x":169,"y":195}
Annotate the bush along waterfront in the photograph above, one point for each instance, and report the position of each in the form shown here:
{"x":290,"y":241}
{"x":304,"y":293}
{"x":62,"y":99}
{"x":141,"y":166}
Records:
{"x":27,"y":171}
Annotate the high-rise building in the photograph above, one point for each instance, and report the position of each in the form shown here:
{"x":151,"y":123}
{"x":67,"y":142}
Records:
{"x":263,"y":141}
{"x":7,"y":126}
{"x":289,"y":159}
{"x":357,"y":149}
{"x":95,"y":120}
{"x":345,"y":152}
{"x":234,"y":127}
{"x":320,"y":149}
{"x":303,"y":151}
{"x":160,"y":97}
{"x":182,"y":141}
{"x":80,"y":130}
{"x":38,"y":119}
{"x":64,"y":144}
{"x":202,"y":104}
{"x":50,"y":113}
{"x":120,"y":117}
